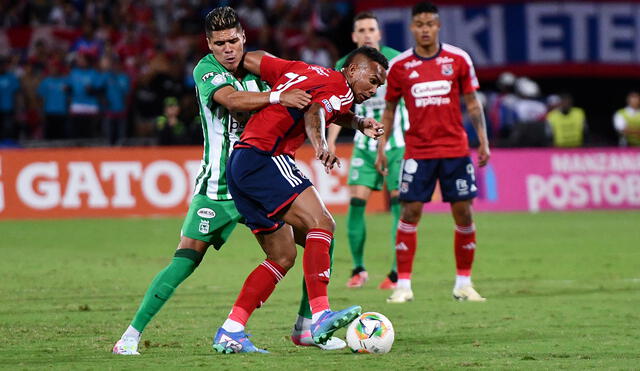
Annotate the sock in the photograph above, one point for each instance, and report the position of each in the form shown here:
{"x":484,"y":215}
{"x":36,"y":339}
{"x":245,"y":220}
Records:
{"x":316,"y":265}
{"x":404,"y":283}
{"x":394,"y":203}
{"x":464,"y":248}
{"x":462,"y":281}
{"x":161,"y":288}
{"x":305,"y":309}
{"x":256,"y":290}
{"x":132,"y":333}
{"x":357,"y":230}
{"x":406,"y":241}
{"x":232,"y":326}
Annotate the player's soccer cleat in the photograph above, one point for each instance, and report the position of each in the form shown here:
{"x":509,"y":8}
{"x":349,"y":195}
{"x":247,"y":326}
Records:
{"x":304,"y":339}
{"x":400,"y":295}
{"x":322,"y":330}
{"x":467,"y":293}
{"x":126,"y":346}
{"x":387,"y":284}
{"x":234,"y":342}
{"x":358,"y":279}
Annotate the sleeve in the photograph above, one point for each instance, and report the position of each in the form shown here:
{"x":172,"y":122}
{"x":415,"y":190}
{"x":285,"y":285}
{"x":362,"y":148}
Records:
{"x":271,"y":68}
{"x":210,"y":79}
{"x":335,"y":100}
{"x":394,"y":90}
{"x":468,"y":80}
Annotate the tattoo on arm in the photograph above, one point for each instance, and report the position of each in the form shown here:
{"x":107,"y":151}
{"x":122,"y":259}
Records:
{"x":476,"y":115}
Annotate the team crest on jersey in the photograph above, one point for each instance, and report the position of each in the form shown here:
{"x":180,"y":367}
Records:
{"x":204,"y":226}
{"x":447,"y":69}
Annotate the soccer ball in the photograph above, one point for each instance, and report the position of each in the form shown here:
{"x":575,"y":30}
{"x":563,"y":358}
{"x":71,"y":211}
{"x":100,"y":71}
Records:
{"x":370,"y":333}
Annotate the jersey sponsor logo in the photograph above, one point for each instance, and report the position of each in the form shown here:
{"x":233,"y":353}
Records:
{"x":447,"y":69}
{"x":205,"y":212}
{"x":204,"y":226}
{"x":335,"y":102}
{"x":412,"y":64}
{"x":432,"y":101}
{"x":410,"y":166}
{"x":319,"y":70}
{"x":218,"y":79}
{"x":357,"y":162}
{"x":327,"y":105}
{"x":414,"y":75}
{"x":443,"y":60}
{"x":431,"y":88}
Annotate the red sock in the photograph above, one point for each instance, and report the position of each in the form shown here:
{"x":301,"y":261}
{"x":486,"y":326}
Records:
{"x":465,"y":248}
{"x":256,"y":290}
{"x":406,"y":241}
{"x":316,"y":264}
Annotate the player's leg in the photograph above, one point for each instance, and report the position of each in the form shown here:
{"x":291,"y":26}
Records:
{"x":357,"y":233}
{"x":457,"y":180}
{"x":416,"y":187}
{"x":308,"y":214}
{"x":394,"y":157}
{"x":208,"y":222}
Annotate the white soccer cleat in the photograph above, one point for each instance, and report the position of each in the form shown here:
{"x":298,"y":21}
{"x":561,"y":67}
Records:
{"x":127,"y":346}
{"x":400,"y":295}
{"x":304,"y":339}
{"x":467,"y":293}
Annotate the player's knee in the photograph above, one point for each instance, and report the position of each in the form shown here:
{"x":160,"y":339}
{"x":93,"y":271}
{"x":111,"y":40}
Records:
{"x":326,"y":222}
{"x":462,"y":214}
{"x":411,"y":215}
{"x":286,"y":260}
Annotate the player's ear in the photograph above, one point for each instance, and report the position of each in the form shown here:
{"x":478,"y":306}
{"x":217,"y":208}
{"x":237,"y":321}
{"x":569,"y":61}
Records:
{"x":244,"y":37}
{"x":353,"y":38}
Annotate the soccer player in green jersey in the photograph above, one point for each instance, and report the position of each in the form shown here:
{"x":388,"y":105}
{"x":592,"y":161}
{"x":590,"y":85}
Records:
{"x":363,"y":176}
{"x":227,"y":95}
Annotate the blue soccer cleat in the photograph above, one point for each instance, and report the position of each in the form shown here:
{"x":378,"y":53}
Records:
{"x":234,"y":342}
{"x":329,"y":322}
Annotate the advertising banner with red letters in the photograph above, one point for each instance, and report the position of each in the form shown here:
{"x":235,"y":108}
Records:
{"x":119,"y":182}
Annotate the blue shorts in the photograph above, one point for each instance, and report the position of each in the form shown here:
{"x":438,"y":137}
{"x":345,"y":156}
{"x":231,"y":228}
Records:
{"x":456,"y":176}
{"x":262,"y":185}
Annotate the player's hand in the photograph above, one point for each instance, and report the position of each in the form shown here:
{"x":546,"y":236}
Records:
{"x":328,"y":159}
{"x":484,"y":154}
{"x":372,"y":128}
{"x":381,"y":163}
{"x":295,"y":98}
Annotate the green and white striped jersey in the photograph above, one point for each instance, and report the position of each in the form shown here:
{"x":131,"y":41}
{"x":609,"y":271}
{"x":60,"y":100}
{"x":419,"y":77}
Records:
{"x":221,"y":128}
{"x":374,"y":106}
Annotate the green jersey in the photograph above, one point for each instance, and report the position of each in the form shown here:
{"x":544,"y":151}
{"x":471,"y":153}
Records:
{"x":221,"y":128}
{"x":374,"y":106}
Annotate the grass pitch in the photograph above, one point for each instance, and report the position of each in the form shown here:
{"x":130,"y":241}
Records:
{"x":563,"y":291}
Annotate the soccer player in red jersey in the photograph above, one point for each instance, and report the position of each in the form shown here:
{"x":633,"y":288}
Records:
{"x":431,"y":77}
{"x":269,"y":190}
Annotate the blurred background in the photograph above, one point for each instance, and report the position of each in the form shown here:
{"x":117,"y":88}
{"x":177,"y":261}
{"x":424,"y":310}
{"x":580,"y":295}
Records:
{"x":118,"y":73}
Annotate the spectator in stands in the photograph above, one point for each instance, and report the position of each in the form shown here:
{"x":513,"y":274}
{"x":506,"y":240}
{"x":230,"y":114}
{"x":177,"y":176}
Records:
{"x":85,"y":83}
{"x":116,"y":85}
{"x":54,"y":94}
{"x":87,"y":43}
{"x":318,"y":50}
{"x":530,"y":129}
{"x":568,"y":123}
{"x":627,"y":121}
{"x":501,"y":108}
{"x":9,"y":89}
{"x":170,"y":130}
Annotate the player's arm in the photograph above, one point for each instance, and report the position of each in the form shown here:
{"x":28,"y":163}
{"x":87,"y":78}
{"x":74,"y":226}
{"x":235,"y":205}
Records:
{"x":366,"y":125}
{"x":388,"y":117}
{"x":476,"y":115}
{"x":314,"y":121}
{"x":332,"y":136}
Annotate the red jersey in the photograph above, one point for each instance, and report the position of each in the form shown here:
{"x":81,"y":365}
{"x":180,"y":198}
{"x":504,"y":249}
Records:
{"x":431,"y":89}
{"x":276,"y":129}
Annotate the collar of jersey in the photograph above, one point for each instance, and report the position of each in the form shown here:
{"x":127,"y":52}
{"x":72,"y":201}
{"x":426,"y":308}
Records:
{"x":429,"y":58}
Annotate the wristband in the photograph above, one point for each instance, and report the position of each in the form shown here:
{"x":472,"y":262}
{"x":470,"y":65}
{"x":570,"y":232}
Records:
{"x":274,"y":97}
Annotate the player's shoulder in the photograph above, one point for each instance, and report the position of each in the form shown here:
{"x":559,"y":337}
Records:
{"x":404,"y":57}
{"x":452,"y":51}
{"x":208,"y":67}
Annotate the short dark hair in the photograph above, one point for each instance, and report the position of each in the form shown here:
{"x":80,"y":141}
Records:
{"x":222,"y":18}
{"x":424,"y":7}
{"x":364,"y":15}
{"x":369,"y":52}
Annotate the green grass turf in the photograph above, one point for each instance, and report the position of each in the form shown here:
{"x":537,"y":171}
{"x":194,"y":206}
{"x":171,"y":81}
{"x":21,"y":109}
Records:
{"x":563,"y":291}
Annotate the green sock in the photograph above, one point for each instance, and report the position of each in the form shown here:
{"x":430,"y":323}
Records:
{"x":305,"y":309}
{"x":395,"y":213}
{"x":357,"y":230}
{"x":183,"y":264}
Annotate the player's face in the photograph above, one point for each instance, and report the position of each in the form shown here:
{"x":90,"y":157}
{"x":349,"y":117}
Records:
{"x":366,"y":32}
{"x":365,"y":77}
{"x":425,"y":28}
{"x":227,"y":47}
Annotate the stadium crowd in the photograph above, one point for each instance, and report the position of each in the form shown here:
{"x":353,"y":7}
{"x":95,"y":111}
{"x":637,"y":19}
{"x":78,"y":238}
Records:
{"x":97,"y":72}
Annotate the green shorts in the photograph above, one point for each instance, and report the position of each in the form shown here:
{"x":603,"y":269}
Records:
{"x":210,"y":221}
{"x":363,"y":169}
